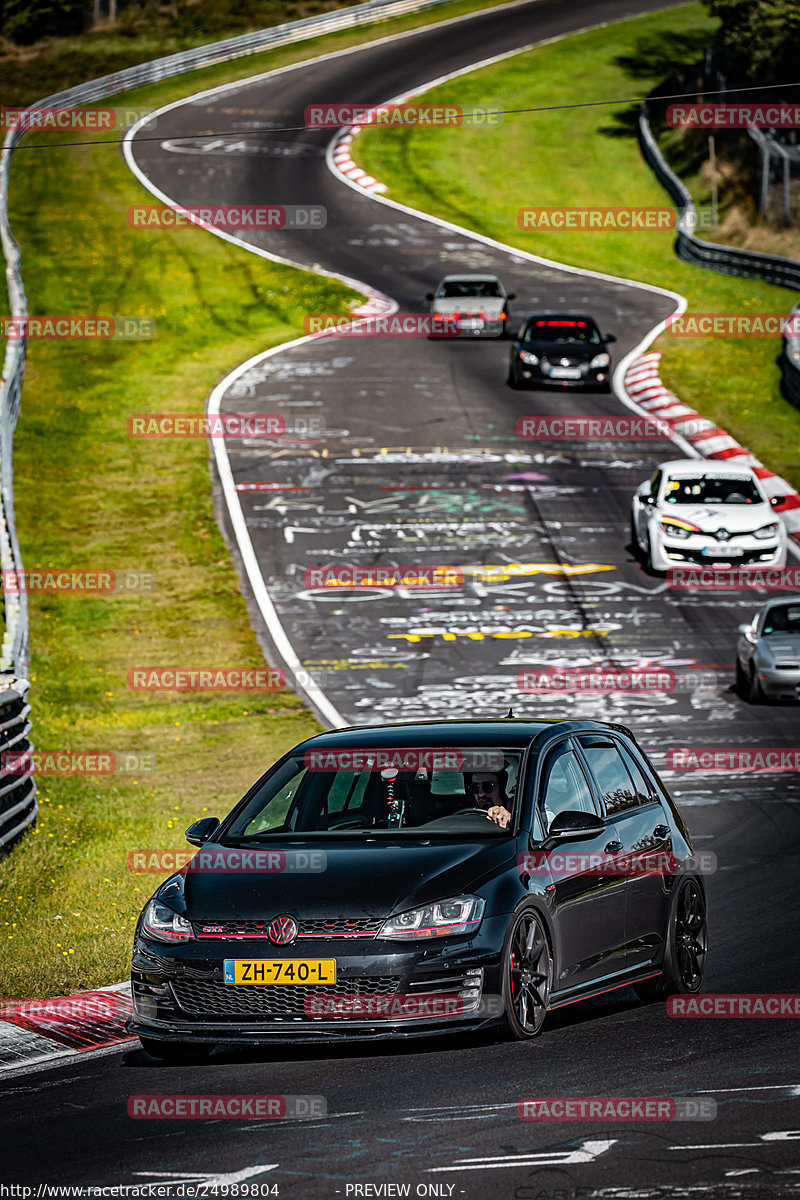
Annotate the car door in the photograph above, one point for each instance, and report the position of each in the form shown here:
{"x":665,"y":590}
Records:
{"x":588,"y":903}
{"x":644,"y":833}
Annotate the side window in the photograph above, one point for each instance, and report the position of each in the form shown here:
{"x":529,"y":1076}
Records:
{"x":655,"y":484}
{"x":613,"y":780}
{"x":563,"y":785}
{"x":643,"y":789}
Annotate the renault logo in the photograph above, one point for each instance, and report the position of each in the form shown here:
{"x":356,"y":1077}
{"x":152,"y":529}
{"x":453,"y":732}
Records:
{"x":282,"y":930}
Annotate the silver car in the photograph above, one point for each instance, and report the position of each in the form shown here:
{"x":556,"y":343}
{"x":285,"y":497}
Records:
{"x":476,"y":304}
{"x":768,"y":652}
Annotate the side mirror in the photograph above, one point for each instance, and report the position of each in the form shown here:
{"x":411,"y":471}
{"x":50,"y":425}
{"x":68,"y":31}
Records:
{"x":649,"y":499}
{"x":429,"y":296}
{"x":511,"y":295}
{"x":199,"y":833}
{"x":776,"y":500}
{"x":573,"y":825}
{"x":609,"y":337}
{"x":747,"y":631}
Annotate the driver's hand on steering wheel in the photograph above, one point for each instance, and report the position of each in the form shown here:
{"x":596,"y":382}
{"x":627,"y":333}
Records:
{"x":501,"y":816}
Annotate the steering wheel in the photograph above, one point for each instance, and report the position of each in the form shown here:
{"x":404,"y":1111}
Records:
{"x":474,"y":811}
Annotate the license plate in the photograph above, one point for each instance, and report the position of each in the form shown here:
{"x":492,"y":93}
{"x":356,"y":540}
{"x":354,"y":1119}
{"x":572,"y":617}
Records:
{"x":565,"y":372}
{"x":721,"y":552}
{"x":472,"y":323}
{"x":243,"y":972}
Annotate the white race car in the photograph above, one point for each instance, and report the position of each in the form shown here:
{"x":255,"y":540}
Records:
{"x":710,"y":513}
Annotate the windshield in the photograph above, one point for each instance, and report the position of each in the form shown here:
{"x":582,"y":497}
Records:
{"x":350,"y":792}
{"x":456,"y":288}
{"x":782,"y":618}
{"x":558,"y":330}
{"x":712,"y":489}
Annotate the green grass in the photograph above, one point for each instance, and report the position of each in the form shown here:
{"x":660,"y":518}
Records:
{"x":480,"y":178}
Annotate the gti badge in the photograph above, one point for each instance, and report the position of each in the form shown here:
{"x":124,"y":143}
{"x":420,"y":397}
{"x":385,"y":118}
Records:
{"x":282,"y":930}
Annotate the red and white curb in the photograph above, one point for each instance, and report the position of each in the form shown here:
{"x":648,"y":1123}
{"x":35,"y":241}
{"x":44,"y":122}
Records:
{"x":645,"y":388}
{"x":341,"y":156}
{"x":33,"y":1031}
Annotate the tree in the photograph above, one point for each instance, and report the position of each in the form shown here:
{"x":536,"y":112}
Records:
{"x":758,"y":40}
{"x":25,"y":21}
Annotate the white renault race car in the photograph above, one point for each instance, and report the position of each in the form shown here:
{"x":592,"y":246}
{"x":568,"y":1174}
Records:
{"x":711,"y":513}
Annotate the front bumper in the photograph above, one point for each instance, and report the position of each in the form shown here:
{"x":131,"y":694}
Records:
{"x":741,"y":551}
{"x":593,"y":378}
{"x":179,"y":993}
{"x":780,"y":683}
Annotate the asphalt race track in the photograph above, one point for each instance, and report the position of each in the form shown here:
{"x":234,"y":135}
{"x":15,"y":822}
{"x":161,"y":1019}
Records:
{"x":420,"y":464}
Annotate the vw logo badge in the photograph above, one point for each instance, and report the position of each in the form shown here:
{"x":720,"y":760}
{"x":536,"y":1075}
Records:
{"x":282,"y":930}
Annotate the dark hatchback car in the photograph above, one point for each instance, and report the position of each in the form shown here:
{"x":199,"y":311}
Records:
{"x":423,"y":878}
{"x":560,"y":350}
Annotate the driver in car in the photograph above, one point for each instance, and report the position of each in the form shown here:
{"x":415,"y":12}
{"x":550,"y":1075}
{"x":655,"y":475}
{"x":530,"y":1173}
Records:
{"x":484,"y":791}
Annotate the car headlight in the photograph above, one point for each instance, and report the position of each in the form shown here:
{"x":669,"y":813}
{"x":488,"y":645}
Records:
{"x":461,"y":914}
{"x":164,"y":925}
{"x":767,"y":531}
{"x":677,"y":529}
{"x":531,"y":359}
{"x":600,"y":360}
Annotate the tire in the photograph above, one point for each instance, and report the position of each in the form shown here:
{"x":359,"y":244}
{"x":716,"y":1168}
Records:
{"x":637,"y":549}
{"x":512,"y":380}
{"x":527,"y":973}
{"x":742,"y":682}
{"x":755,"y":692}
{"x":686,"y":944}
{"x":177,"y":1052}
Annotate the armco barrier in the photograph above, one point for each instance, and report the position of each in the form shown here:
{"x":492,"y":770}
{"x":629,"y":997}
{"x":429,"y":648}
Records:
{"x":728,"y":260}
{"x":14,"y":650}
{"x":18,"y":804}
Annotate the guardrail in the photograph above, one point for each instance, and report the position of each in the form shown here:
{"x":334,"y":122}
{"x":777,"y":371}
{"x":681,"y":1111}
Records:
{"x":728,"y":260}
{"x":18,"y":804}
{"x":14,"y":649}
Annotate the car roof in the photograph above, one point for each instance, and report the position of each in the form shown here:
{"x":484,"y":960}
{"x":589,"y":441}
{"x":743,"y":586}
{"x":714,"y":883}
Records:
{"x":780,"y":600}
{"x":687,"y":467}
{"x":506,"y":731}
{"x":561,"y":316}
{"x":468,"y":279}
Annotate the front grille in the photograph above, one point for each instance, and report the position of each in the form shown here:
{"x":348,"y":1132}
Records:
{"x":317,"y":928}
{"x":218,"y":1000}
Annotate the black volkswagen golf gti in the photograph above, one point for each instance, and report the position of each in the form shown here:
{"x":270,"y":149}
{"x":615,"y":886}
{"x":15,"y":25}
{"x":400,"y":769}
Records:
{"x":423,"y":878}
